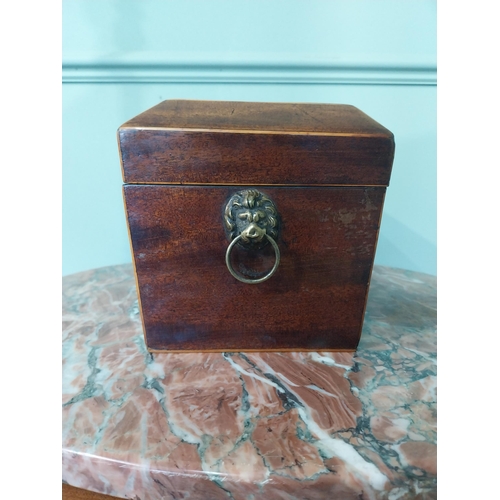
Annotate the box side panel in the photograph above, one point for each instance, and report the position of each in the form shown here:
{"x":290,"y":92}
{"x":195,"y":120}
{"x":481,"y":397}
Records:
{"x":187,"y":157}
{"x":315,"y":300}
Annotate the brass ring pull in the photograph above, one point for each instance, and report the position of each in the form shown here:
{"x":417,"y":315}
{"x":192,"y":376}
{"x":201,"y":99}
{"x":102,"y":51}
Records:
{"x":248,"y":280}
{"x":251,"y":220}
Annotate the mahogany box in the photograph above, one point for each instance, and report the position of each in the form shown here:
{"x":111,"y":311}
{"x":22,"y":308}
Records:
{"x":253,"y":226}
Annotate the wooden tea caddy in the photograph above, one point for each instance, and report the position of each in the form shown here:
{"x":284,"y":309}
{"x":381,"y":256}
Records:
{"x":253,"y":226}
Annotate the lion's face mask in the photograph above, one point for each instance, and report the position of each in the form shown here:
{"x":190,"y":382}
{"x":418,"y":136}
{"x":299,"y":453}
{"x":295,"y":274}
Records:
{"x":252,"y":215}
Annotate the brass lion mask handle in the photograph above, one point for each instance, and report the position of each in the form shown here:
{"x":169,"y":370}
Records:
{"x":251,"y":220}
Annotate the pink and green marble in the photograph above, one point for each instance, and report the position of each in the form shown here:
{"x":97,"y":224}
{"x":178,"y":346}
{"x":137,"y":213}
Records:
{"x":249,"y":426}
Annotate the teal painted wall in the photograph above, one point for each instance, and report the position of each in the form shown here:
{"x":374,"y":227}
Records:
{"x":122,"y":57}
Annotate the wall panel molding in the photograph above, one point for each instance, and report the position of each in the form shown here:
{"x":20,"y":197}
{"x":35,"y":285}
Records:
{"x":85,"y":70}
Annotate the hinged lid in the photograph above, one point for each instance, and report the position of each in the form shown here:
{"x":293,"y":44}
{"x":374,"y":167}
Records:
{"x":246,"y":143}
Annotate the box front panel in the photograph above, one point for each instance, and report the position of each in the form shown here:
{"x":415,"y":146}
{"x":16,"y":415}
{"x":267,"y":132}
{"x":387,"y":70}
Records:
{"x":315,"y":300}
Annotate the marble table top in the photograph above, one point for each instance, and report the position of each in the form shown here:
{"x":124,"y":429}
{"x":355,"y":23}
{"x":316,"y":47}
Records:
{"x":249,"y":426}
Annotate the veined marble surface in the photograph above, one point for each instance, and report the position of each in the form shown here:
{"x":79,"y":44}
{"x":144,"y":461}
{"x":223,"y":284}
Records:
{"x":249,"y":426}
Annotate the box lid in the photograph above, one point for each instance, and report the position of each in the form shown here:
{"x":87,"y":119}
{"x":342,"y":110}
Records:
{"x":248,"y":143}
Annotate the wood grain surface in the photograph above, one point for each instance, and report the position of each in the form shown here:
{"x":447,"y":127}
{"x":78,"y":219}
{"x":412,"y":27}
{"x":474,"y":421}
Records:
{"x":72,"y":493}
{"x":331,"y":119}
{"x":204,"y":142}
{"x":315,"y":300}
